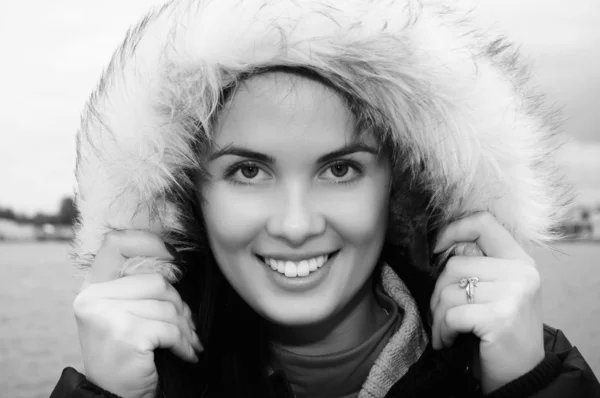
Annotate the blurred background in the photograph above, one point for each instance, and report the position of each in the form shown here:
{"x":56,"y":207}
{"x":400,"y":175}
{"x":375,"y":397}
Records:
{"x":52,"y":56}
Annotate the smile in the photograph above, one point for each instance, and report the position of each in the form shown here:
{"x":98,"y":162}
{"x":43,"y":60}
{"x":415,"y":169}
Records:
{"x":293,"y":269}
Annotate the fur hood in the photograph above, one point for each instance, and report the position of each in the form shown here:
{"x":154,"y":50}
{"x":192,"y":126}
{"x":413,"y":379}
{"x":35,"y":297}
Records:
{"x":454,"y":97}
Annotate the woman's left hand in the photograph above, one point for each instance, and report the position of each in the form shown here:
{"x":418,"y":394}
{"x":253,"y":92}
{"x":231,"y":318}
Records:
{"x":506,"y":313}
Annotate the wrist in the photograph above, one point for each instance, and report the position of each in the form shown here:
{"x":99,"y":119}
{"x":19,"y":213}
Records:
{"x":531,"y":382}
{"x":525,"y":364}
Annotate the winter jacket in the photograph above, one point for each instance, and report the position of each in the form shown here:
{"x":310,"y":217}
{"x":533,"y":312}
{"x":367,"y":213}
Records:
{"x":563,"y":373}
{"x":443,"y":373}
{"x":453,"y":101}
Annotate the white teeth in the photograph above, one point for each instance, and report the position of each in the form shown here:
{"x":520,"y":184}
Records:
{"x":273,"y":264}
{"x":321,"y":260}
{"x":293,"y":269}
{"x":303,"y":268}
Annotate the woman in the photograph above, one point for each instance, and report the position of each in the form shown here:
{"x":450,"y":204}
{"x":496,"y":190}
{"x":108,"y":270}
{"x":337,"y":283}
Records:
{"x":306,"y":199}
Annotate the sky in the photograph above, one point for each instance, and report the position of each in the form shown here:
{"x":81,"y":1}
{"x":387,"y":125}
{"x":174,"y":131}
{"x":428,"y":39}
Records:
{"x":53,"y":53}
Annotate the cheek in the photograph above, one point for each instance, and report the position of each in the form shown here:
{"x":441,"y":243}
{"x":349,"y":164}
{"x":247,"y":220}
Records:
{"x":232,"y":219}
{"x":362,"y":217}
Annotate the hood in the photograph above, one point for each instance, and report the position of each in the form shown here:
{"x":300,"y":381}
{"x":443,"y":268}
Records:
{"x":455,"y":97}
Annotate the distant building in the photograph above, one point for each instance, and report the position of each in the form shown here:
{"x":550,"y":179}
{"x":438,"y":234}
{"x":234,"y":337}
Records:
{"x":581,"y":223}
{"x":595,"y":222}
{"x":55,"y":232}
{"x":14,"y":231}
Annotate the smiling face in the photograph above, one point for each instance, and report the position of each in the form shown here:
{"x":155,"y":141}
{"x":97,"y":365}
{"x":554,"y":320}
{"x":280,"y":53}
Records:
{"x":296,"y":207}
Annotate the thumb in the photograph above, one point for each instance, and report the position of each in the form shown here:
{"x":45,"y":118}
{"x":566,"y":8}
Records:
{"x":118,"y":246}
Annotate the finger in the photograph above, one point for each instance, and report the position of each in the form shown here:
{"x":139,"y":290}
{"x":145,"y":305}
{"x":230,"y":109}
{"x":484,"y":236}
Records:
{"x":121,"y":245}
{"x":153,"y":310}
{"x":482,"y":228}
{"x":486,"y":269}
{"x":187,"y":316}
{"x":137,"y":287}
{"x":168,"y":336}
{"x":455,"y":296}
{"x":163,"y":311}
{"x":468,"y":318}
{"x":469,"y":249}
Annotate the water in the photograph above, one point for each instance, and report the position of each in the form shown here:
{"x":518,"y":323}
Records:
{"x":38,"y":335}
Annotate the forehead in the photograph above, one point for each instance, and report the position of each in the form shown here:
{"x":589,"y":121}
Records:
{"x":278,"y":108}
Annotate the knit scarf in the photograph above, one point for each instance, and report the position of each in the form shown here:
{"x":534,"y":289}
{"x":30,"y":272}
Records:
{"x":405,"y":346}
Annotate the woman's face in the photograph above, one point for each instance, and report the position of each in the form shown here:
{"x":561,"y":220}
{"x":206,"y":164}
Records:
{"x":297,"y":205}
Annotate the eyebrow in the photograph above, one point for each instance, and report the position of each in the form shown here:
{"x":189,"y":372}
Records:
{"x":261,"y":157}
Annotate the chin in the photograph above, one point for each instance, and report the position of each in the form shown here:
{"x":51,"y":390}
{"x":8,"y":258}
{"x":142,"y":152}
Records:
{"x":296,"y":313}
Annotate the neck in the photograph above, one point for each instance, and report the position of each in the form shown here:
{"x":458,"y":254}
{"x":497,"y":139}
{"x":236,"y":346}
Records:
{"x":358,"y":320}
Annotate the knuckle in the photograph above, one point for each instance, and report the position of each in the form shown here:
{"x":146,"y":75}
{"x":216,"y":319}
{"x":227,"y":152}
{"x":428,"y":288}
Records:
{"x":446,"y":295}
{"x":112,"y":238}
{"x":452,"y":264}
{"x":187,"y":312}
{"x":79,"y":305}
{"x":531,"y":279}
{"x":176,"y":333}
{"x":534,"y":278}
{"x":155,"y":239}
{"x":485,"y":218}
{"x":147,"y":237}
{"x":170,"y":310}
{"x":530,"y":261}
{"x":532,"y":274}
{"x":82,"y":305}
{"x":449,"y":318}
{"x":159,"y":282}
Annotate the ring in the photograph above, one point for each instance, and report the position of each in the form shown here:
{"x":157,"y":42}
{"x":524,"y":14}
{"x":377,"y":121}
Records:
{"x":469,"y":285}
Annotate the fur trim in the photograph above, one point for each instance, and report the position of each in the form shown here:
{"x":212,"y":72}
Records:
{"x":456,"y":100}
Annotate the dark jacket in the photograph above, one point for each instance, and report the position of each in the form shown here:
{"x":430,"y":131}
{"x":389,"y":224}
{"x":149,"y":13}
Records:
{"x":563,"y":373}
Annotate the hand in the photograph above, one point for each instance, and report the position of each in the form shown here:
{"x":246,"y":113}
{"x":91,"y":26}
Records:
{"x":506,"y":314}
{"x":122,"y":321}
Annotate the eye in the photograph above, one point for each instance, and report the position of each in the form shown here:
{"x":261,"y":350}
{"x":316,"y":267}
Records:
{"x":249,"y":171}
{"x":341,"y":172}
{"x":246,"y":173}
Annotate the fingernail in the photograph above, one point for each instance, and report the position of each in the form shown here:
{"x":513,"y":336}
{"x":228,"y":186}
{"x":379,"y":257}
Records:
{"x":171,"y":249}
{"x":191,"y":323}
{"x":196,"y":343}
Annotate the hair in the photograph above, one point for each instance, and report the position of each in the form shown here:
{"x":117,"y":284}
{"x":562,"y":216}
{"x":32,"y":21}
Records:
{"x":236,"y":364}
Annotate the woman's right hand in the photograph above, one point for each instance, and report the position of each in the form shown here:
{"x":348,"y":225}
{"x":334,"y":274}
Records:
{"x":121,"y":321}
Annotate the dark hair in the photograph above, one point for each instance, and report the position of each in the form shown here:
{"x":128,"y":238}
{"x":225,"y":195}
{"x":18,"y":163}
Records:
{"x":236,"y":359}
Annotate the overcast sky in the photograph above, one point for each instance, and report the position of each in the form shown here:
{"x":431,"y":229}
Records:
{"x":54,"y":51}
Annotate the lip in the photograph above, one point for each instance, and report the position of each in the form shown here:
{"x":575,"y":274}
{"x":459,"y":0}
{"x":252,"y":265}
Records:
{"x":303,"y":283}
{"x":295,"y":256}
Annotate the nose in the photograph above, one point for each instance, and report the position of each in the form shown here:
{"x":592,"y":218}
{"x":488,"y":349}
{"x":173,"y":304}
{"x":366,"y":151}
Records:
{"x":294,"y":219}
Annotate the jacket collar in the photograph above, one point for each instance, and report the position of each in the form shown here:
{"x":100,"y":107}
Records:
{"x":406,"y":345}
